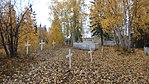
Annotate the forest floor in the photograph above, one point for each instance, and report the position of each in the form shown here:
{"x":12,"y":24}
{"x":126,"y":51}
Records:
{"x":51,"y":66}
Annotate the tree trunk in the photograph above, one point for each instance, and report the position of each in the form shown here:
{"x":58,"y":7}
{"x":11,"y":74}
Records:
{"x":12,"y":45}
{"x":102,"y":39}
{"x":122,"y":39}
{"x":9,"y":32}
{"x":4,"y":45}
{"x":101,"y":34}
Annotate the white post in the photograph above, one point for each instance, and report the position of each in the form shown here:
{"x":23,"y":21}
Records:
{"x":69,"y":56}
{"x":41,"y":44}
{"x":146,"y":50}
{"x":53,"y":44}
{"x":90,"y":52}
{"x":69,"y":37}
{"x":27,"y":46}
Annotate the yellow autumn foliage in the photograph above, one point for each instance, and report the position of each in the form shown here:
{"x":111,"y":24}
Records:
{"x":9,"y":18}
{"x":43,"y":34}
{"x":117,"y":13}
{"x":141,"y":17}
{"x":27,"y":33}
{"x":56,"y":33}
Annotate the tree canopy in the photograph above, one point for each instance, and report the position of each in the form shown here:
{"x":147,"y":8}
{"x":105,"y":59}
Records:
{"x":13,"y":27}
{"x":123,"y":17}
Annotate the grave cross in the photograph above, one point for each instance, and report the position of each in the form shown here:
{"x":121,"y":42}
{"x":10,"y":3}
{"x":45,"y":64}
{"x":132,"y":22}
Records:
{"x":41,"y":44}
{"x":53,"y":43}
{"x":69,"y":56}
{"x":27,"y":46}
{"x":90,"y":52}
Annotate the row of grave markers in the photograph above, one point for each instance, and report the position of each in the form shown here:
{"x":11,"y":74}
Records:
{"x":70,"y":56}
{"x":53,"y":44}
{"x":41,"y":45}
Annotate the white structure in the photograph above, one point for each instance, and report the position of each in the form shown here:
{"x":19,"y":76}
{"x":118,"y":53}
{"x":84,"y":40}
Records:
{"x":69,"y":56}
{"x":27,"y":47}
{"x":41,"y":44}
{"x":86,"y":32}
{"x":90,"y":52}
{"x":109,"y":43}
{"x":86,"y":45}
{"x":53,"y":43}
{"x":146,"y":50}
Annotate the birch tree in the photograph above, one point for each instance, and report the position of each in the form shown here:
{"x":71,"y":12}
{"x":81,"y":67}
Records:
{"x":71,"y":16}
{"x":124,"y":17}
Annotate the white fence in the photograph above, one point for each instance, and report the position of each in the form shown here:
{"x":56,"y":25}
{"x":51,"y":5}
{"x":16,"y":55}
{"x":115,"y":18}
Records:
{"x":109,"y":43}
{"x":86,"y":45}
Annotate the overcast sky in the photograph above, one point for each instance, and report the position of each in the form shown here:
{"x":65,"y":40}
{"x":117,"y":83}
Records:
{"x":42,"y":11}
{"x":41,"y":8}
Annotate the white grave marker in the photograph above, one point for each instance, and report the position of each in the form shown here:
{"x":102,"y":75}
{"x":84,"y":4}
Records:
{"x":41,"y":44}
{"x":146,"y":50}
{"x":69,"y":56}
{"x":27,"y":46}
{"x":90,"y":52}
{"x":53,"y":43}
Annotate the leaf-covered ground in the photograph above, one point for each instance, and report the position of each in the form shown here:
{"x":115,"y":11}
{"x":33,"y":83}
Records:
{"x":51,"y":66}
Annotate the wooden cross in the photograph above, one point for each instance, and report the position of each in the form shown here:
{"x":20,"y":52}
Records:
{"x":53,"y":43}
{"x":27,"y":47}
{"x":69,"y":56}
{"x":41,"y":44}
{"x":90,"y":52}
